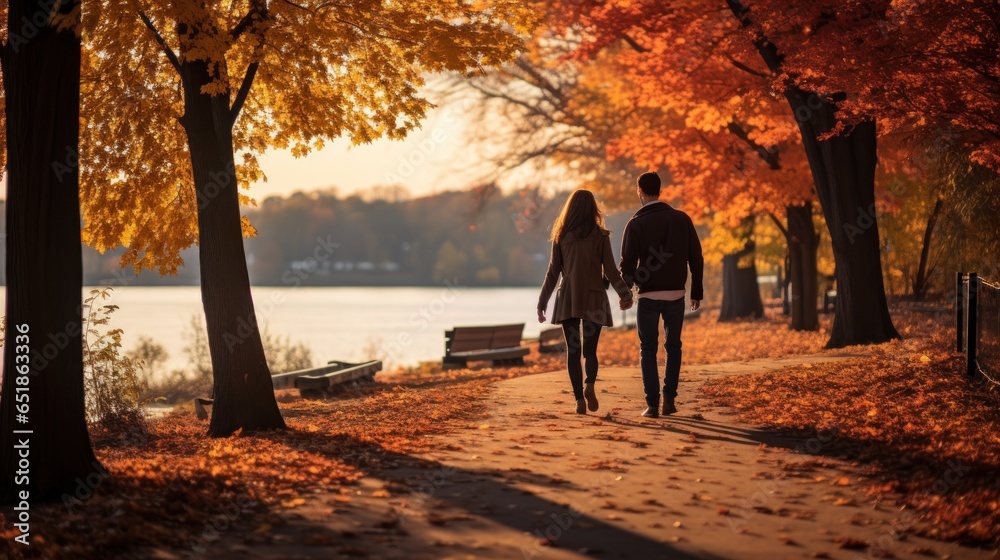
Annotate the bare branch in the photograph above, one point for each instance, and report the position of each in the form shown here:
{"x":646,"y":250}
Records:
{"x":632,"y":43}
{"x":161,"y":41}
{"x":241,"y":95}
{"x":769,"y":155}
{"x":746,"y":68}
{"x":777,"y":222}
{"x":768,"y":50}
{"x":244,"y":24}
{"x":256,"y":14}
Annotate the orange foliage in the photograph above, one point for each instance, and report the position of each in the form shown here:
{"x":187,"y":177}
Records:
{"x":921,"y":68}
{"x":165,"y":491}
{"x":699,"y":101}
{"x":696,"y":103}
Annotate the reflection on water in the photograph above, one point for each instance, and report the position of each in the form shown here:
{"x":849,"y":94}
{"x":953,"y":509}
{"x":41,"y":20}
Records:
{"x":402,"y":325}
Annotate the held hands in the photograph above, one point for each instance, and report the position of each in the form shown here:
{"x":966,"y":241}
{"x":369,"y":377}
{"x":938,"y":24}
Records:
{"x":695,"y":304}
{"x":625,"y":304}
{"x":541,"y":315}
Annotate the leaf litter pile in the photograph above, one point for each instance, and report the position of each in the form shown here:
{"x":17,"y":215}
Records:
{"x":927,"y":438}
{"x":177,"y":488}
{"x":174,"y":489}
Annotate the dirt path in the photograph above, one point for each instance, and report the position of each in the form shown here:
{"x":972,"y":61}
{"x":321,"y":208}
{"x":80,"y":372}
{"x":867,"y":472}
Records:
{"x":533,"y":480}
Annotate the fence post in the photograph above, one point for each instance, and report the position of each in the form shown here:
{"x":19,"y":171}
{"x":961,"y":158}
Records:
{"x":960,"y":309}
{"x":973,"y":324}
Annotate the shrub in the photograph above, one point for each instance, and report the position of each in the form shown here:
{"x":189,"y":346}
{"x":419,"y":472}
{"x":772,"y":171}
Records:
{"x":152,"y":355}
{"x":284,"y":355}
{"x":197,"y":351}
{"x":111,"y":379}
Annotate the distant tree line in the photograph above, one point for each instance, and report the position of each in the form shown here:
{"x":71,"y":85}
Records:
{"x":482,"y":237}
{"x":479,"y":238}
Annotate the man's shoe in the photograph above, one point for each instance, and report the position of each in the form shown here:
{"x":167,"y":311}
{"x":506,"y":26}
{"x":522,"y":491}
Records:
{"x":591,"y":396}
{"x":581,"y":406}
{"x":668,"y":406}
{"x":650,"y":412}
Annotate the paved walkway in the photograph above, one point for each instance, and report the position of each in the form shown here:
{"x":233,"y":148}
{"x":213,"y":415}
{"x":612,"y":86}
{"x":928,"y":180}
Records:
{"x":533,"y":480}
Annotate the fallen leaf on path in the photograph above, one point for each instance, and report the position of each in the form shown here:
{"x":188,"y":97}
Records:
{"x":852,"y":543}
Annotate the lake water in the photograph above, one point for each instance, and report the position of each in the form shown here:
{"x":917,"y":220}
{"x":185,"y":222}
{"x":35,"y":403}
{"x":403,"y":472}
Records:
{"x":403,"y":325}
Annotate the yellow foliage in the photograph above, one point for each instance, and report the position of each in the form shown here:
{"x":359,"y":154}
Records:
{"x":322,"y":71}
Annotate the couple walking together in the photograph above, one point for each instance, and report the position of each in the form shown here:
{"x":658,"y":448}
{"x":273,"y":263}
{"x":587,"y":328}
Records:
{"x":658,"y":246}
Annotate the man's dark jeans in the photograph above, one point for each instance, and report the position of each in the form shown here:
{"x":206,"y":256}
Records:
{"x":647,"y":321}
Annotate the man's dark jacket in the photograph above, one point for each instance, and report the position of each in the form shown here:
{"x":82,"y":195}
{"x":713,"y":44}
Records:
{"x":662,"y":241}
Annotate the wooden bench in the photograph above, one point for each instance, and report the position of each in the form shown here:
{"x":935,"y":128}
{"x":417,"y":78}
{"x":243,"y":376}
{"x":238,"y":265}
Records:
{"x":325,"y":380}
{"x":552,"y":340}
{"x":500,"y":344}
{"x":312,"y":382}
{"x":829,"y":300}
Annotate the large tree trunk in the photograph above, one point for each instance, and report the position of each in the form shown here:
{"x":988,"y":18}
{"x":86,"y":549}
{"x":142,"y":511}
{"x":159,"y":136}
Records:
{"x":44,"y":267}
{"x":802,"y":245}
{"x":843,"y":170}
{"x":740,"y":290}
{"x":920,"y":283}
{"x":244,"y":397}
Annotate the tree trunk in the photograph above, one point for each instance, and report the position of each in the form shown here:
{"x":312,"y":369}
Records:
{"x":244,"y":397}
{"x":920,"y":283}
{"x":802,"y":246}
{"x":843,"y":170}
{"x":44,"y":266}
{"x":740,"y":290}
{"x":786,"y":283}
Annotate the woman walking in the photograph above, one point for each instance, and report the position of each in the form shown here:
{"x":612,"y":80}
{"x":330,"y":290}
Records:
{"x":581,"y":253}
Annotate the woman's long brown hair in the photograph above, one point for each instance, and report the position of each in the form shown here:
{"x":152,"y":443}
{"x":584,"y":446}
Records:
{"x":580,"y":215}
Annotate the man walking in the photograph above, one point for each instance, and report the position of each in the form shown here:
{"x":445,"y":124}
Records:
{"x":658,"y":246}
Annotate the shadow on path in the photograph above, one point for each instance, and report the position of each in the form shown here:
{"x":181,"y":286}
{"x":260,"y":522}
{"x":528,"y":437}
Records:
{"x":489,"y":494}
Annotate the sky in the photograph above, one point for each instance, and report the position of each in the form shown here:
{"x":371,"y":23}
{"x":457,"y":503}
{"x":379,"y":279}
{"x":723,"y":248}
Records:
{"x":432,"y":159}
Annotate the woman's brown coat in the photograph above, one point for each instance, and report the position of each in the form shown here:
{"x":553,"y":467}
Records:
{"x":583,"y":263}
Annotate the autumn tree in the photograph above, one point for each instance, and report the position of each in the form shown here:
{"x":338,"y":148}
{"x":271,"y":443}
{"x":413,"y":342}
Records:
{"x":188,"y":93}
{"x":842,"y":163}
{"x":676,"y":100}
{"x":938,"y":210}
{"x":900,"y":54}
{"x":547,"y":128}
{"x":45,"y":439}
